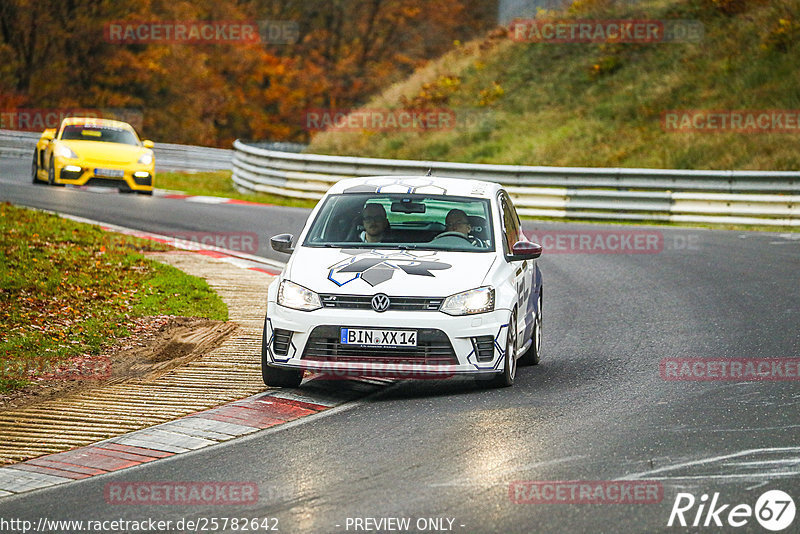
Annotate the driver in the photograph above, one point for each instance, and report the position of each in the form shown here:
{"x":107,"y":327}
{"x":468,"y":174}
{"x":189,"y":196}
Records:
{"x":376,"y":225}
{"x":457,"y":221}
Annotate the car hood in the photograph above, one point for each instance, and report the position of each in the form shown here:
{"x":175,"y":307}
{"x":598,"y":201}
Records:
{"x":390,"y":271}
{"x":102,"y":151}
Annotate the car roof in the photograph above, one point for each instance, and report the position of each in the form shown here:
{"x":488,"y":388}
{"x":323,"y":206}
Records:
{"x":462,"y":187}
{"x":94,"y":121}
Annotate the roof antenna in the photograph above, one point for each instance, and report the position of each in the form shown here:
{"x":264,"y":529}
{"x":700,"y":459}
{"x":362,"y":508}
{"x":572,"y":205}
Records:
{"x":430,"y":171}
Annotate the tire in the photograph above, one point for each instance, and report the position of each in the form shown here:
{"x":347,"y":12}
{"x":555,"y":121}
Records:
{"x":506,"y":378}
{"x":534,"y":352}
{"x":35,"y":168}
{"x":147,"y":193}
{"x":274,"y":377}
{"x":51,"y":174}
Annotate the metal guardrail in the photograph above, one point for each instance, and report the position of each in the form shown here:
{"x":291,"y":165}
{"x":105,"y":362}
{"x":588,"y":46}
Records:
{"x":280,"y":146}
{"x":169,"y":157}
{"x":733,"y":197}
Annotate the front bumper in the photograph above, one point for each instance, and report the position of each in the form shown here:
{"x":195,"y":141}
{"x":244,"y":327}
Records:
{"x":82,"y":172}
{"x":298,"y":343}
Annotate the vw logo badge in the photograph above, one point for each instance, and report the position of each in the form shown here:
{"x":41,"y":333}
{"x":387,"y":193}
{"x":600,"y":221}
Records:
{"x":380,"y":302}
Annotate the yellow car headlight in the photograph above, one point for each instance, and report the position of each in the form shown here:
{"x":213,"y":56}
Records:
{"x":63,"y":151}
{"x":146,"y":159}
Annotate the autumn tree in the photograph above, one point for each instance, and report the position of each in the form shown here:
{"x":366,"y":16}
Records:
{"x":53,"y":53}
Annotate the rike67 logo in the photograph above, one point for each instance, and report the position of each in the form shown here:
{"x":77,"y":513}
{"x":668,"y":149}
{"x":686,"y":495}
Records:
{"x":774,"y":510}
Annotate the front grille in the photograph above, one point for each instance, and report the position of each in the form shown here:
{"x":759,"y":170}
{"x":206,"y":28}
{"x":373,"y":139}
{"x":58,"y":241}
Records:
{"x":484,"y":348}
{"x":433,"y":348}
{"x":70,"y":175}
{"x":144,"y":180}
{"x":107,"y":182}
{"x":281,"y":341}
{"x":364,"y":302}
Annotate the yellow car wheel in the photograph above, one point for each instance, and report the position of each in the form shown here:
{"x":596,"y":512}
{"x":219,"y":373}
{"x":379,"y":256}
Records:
{"x":35,"y":168}
{"x":51,"y":174}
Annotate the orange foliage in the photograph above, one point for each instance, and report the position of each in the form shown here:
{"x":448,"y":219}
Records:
{"x":55,"y":55}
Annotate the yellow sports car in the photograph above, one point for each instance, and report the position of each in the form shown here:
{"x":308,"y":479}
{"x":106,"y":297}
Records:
{"x":88,"y":151}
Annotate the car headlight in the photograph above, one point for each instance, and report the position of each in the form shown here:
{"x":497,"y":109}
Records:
{"x":297,"y":297}
{"x":480,"y":300}
{"x":63,"y":151}
{"x":146,"y":159}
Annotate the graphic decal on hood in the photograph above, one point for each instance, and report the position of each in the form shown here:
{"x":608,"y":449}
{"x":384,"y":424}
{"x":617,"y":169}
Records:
{"x":375,"y":267}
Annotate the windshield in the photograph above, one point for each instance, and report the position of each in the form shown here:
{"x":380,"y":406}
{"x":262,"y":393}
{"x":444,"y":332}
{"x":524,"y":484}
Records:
{"x":77,"y":132}
{"x":375,"y":220}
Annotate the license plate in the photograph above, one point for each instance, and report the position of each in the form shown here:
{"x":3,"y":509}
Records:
{"x":109,"y":173}
{"x":378,"y":338}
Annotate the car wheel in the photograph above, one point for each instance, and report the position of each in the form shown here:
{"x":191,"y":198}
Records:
{"x":148,"y":193}
{"x":35,"y":168}
{"x":532,"y":356}
{"x":506,"y":378}
{"x":274,"y":377}
{"x":51,"y":174}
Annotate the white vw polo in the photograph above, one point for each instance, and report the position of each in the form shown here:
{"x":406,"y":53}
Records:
{"x":405,"y":277}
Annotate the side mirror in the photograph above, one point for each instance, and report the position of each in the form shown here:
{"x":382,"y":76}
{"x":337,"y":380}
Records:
{"x":282,"y":243}
{"x":148,"y":143}
{"x":49,"y":134}
{"x":525,"y":250}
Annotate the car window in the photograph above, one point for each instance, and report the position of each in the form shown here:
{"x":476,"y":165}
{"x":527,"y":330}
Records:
{"x":510,"y":221}
{"x":76,"y":132}
{"x":411,"y":221}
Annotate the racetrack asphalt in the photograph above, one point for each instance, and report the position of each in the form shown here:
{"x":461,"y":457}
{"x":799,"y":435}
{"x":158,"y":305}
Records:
{"x":596,"y":409}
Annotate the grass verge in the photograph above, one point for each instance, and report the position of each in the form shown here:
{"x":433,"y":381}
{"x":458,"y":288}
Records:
{"x":602,"y":104}
{"x":67,"y":289}
{"x":219,"y":184}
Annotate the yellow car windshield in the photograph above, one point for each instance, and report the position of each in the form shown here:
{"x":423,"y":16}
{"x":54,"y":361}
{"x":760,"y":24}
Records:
{"x":99,"y":133}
